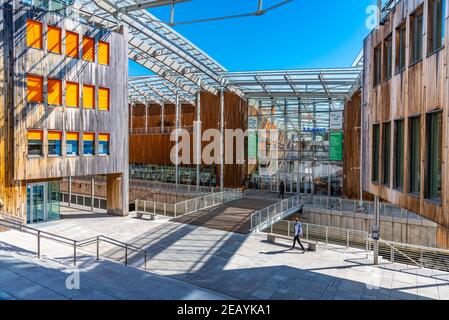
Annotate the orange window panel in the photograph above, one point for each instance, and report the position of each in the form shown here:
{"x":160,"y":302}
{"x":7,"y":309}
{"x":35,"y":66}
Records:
{"x":72,"y":136}
{"x":103,"y":52}
{"x":54,"y":92}
{"x":88,"y":97}
{"x":55,"y":135}
{"x":72,"y":94}
{"x":35,"y":134}
{"x":54,"y":39}
{"x":34,"y":89}
{"x":34,"y":34}
{"x":88,"y":136}
{"x":88,"y":49}
{"x":103,"y":99}
{"x":72,"y":44}
{"x":103,"y":137}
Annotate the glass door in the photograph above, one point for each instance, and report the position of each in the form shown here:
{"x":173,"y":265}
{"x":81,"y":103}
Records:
{"x":36,"y":203}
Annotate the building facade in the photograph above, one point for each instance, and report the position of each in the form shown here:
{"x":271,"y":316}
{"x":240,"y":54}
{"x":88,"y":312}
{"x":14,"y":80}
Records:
{"x":63,"y":108}
{"x":405,"y":110}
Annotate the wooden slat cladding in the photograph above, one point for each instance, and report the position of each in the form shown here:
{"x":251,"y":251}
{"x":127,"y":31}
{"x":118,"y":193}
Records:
{"x":17,"y":115}
{"x":155,"y":149}
{"x":422,"y":87}
{"x":351,"y":163}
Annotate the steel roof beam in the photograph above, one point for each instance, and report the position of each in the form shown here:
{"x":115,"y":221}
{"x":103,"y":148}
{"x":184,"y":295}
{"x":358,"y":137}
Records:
{"x":148,"y":5}
{"x":166,"y":60}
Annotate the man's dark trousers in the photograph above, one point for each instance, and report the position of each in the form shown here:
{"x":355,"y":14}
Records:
{"x":296,"y":238}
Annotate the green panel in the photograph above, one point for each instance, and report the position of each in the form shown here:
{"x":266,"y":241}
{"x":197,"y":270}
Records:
{"x":336,"y":146}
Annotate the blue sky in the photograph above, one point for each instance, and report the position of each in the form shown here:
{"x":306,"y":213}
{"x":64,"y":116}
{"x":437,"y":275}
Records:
{"x":301,"y":34}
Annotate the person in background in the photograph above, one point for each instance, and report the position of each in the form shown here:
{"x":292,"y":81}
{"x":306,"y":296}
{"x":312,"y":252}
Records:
{"x":281,"y":190}
{"x":298,"y":234}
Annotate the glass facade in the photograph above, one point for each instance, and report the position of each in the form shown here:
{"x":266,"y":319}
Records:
{"x":305,"y":154}
{"x":187,"y":174}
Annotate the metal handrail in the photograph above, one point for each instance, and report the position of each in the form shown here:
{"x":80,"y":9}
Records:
{"x":266,"y":217}
{"x":72,"y":242}
{"x":186,"y":206}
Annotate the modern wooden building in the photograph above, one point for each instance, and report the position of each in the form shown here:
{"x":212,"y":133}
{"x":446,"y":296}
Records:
{"x":63,"y":109}
{"x":151,"y":125}
{"x":405,"y":110}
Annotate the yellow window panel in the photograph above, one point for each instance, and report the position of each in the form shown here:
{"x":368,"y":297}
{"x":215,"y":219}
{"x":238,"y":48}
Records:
{"x":103,"y":99}
{"x":35,"y":134}
{"x":72,"y":44}
{"x":72,"y":94}
{"x":54,"y":92}
{"x":54,"y":39}
{"x":88,"y":136}
{"x":88,"y":49}
{"x":103,"y":52}
{"x":72,"y":136}
{"x":88,"y":97}
{"x":34,"y":89}
{"x":34,"y":34}
{"x":54,"y":135}
{"x":103,"y":137}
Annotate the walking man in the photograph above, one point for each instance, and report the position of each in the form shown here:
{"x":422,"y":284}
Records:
{"x":281,"y":190}
{"x":298,"y":234}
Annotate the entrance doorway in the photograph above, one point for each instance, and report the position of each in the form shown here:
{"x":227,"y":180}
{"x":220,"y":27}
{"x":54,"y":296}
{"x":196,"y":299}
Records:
{"x":42,"y":202}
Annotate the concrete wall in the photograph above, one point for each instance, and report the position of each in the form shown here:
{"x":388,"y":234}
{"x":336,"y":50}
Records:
{"x":413,"y":231}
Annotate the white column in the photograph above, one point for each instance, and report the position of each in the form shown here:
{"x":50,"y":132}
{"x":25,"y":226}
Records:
{"x":92,"y":193}
{"x":162,"y":116}
{"x":146,"y":116}
{"x":177,"y":138}
{"x":222,"y":136}
{"x":70,"y":190}
{"x":198,"y":137}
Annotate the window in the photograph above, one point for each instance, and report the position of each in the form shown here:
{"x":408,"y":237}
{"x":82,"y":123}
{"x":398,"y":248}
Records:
{"x":103,"y":99}
{"x":34,"y":34}
{"x":386,"y":145}
{"x":434,"y":155}
{"x":72,"y":44}
{"x":103,"y":143}
{"x":399,"y":154}
{"x":54,"y":143}
{"x":54,"y":39}
{"x":414,"y":154}
{"x":401,"y":33}
{"x":88,"y":97}
{"x":34,"y":89}
{"x":416,"y":36}
{"x":388,"y":57}
{"x":377,"y":66}
{"x":72,"y":143}
{"x":376,"y":143}
{"x":54,"y":92}
{"x":435,"y":27}
{"x":88,"y":49}
{"x":103,"y":52}
{"x":72,"y":94}
{"x":35,"y":142}
{"x":89,"y":143}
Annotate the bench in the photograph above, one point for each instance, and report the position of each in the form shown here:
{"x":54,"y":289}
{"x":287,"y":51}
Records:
{"x":311,"y":245}
{"x":139,"y":215}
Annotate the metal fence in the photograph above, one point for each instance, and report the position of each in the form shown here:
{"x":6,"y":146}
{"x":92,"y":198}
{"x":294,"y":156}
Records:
{"x":395,"y":252}
{"x":158,"y":130}
{"x":180,"y":188}
{"x":263,"y":218}
{"x":83,"y":201}
{"x":188,"y":206}
{"x":420,"y":256}
{"x":323,"y":204}
{"x":323,"y":234}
